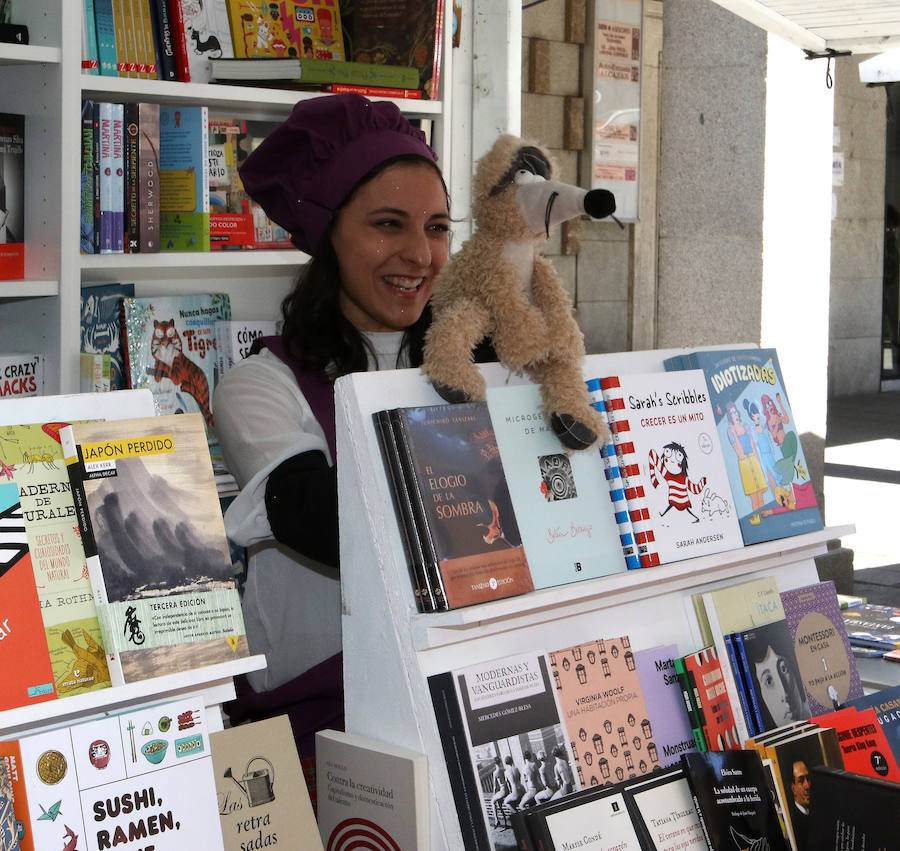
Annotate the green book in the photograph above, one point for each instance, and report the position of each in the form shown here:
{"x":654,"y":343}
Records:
{"x":304,"y":71}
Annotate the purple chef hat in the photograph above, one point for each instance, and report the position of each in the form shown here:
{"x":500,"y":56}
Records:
{"x":304,"y":169}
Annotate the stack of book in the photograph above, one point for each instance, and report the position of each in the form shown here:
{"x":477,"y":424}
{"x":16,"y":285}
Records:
{"x":873,"y":629}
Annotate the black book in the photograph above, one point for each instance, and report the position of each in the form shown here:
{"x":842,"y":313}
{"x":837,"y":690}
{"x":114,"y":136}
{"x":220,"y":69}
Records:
{"x":163,"y":39}
{"x":132,"y":204}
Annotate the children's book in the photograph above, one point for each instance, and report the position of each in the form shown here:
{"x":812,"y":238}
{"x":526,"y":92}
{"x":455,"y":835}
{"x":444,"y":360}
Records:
{"x":824,"y":655}
{"x":769,"y":475}
{"x":262,"y":794}
{"x":873,"y":625}
{"x":21,"y":375}
{"x":667,"y":423}
{"x":101,"y":326}
{"x":288,"y":29}
{"x":207,"y":35}
{"x":184,"y":178}
{"x":157,"y":555}
{"x":461,"y":503}
{"x":370,"y":791}
{"x":732,"y":799}
{"x":561,"y":500}
{"x":12,"y":196}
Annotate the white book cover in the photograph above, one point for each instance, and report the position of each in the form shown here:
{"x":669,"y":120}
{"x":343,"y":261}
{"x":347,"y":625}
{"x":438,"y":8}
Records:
{"x":139,"y":780}
{"x":234,"y":337}
{"x":21,"y":375}
{"x":675,"y":443}
{"x":208,"y":35}
{"x":602,"y":824}
{"x":371,"y":794}
{"x":666,"y":809}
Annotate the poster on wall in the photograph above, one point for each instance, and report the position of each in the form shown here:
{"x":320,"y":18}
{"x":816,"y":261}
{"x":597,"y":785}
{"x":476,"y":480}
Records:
{"x":616,"y":102}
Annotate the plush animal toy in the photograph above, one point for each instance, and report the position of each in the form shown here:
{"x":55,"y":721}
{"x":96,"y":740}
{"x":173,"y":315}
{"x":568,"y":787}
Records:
{"x":498,"y":285}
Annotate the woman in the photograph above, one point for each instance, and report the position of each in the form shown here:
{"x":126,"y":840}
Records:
{"x":359,"y":190}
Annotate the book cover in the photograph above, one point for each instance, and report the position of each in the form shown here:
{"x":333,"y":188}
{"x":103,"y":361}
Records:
{"x":511,"y":716}
{"x":309,"y":29}
{"x":823,"y":651}
{"x":462,"y":503}
{"x":690,"y":695}
{"x":399,"y":32}
{"x":27,"y":673}
{"x":676,"y":447}
{"x":665,"y":703}
{"x":139,"y":779}
{"x":262,"y":795}
{"x":737,"y":606}
{"x":132,"y":206}
{"x":872,"y":625}
{"x":852,"y":813}
{"x":769,"y":476}
{"x":775,"y":678}
{"x":717,"y":713}
{"x":561,"y":500}
{"x":864,"y":745}
{"x":184,"y":178}
{"x":604,"y":711}
{"x":148,"y":178}
{"x":370,"y":792}
{"x":112,"y":165}
{"x":153,"y":535}
{"x":663,"y":812}
{"x":94,"y":373}
{"x":230,"y":219}
{"x":21,"y":375}
{"x":101,"y":326}
{"x":308,"y":71}
{"x":732,"y":799}
{"x":9,"y":825}
{"x":207,"y":35}
{"x":12,"y":196}
{"x":886,"y":704}
{"x":234,"y":337}
{"x":87,"y":177}
{"x":170,"y":348}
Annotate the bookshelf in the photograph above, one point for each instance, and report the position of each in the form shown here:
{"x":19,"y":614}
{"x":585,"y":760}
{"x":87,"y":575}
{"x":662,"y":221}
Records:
{"x":390,"y":649}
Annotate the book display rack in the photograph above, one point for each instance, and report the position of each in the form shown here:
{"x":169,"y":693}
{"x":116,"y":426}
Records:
{"x":390,"y":649}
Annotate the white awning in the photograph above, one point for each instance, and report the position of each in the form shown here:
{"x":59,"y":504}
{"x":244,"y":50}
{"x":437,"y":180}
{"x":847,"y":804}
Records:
{"x":821,"y":26}
{"x":883,"y":68}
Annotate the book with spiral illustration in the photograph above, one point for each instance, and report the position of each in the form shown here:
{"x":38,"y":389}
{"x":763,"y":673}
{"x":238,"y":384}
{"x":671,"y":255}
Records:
{"x":460,"y":511}
{"x":154,"y":539}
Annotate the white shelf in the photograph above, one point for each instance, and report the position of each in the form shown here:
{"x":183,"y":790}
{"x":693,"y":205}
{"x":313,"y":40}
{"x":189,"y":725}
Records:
{"x":205,"y":261}
{"x":28,"y":54}
{"x":215,"y":681}
{"x":28,"y":288}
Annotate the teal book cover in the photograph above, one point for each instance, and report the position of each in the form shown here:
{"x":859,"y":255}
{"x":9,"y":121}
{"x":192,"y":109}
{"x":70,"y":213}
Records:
{"x":769,"y":475}
{"x":561,"y":501}
{"x":184,"y":178}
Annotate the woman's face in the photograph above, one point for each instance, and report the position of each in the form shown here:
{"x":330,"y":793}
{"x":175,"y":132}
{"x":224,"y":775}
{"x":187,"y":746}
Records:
{"x":778,"y":688}
{"x":391,"y":239}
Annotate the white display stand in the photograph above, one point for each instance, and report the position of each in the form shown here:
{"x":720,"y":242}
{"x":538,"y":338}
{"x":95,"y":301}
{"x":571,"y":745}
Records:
{"x":390,"y":649}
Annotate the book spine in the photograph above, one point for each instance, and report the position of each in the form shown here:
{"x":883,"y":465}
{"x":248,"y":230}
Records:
{"x":107,"y":203}
{"x":372,"y":91}
{"x":747,"y":678}
{"x":148,"y":177}
{"x":613,"y":474}
{"x":691,"y":699}
{"x":123,"y":39}
{"x":403,"y":505}
{"x":143,"y":33}
{"x":168,"y":69}
{"x":90,"y":55}
{"x":87,"y":177}
{"x":434,"y":578}
{"x":132,"y":208}
{"x":126,"y":346}
{"x":631,"y":473}
{"x":434,"y":86}
{"x":743,"y":695}
{"x":104,"y":20}
{"x":179,"y":40}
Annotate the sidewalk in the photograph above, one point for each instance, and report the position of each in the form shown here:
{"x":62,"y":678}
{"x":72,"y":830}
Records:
{"x":862,"y":487}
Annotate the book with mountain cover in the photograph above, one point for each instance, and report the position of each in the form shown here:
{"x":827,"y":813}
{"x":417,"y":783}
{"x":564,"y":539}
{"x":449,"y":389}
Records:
{"x":152,"y":528}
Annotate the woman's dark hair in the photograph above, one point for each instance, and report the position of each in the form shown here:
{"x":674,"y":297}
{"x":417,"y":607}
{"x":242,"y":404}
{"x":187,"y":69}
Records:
{"x":314,"y":324}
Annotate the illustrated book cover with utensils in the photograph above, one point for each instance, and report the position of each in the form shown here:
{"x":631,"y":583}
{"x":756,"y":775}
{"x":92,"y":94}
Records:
{"x":157,"y":554}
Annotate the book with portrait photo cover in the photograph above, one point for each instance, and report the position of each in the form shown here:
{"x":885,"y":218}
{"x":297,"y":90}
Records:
{"x":154,"y":538}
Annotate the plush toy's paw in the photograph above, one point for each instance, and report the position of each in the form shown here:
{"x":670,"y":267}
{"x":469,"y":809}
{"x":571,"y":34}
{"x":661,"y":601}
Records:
{"x":450,"y":394}
{"x":571,"y":433}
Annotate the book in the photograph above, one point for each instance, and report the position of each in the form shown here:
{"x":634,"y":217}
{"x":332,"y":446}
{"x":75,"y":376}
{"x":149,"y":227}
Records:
{"x":184,"y":178}
{"x":774,"y":679}
{"x":864,"y":745}
{"x":604,"y":711}
{"x":663,"y":696}
{"x":769,"y":475}
{"x":740,"y":666}
{"x":87,"y":177}
{"x":90,"y":56}
{"x":873,"y":625}
{"x":104,"y":22}
{"x":461,"y":502}
{"x":306,"y":71}
{"x":290,"y":29}
{"x":262,"y":795}
{"x":370,"y":791}
{"x":9,"y":827}
{"x":732,"y":800}
{"x":230,"y":219}
{"x":886,"y":704}
{"x":561,"y":500}
{"x":170,"y":348}
{"x":132,"y":175}
{"x":822,"y":647}
{"x":148,"y":178}
{"x":179,"y":40}
{"x":95,"y":370}
{"x":21,"y":375}
{"x":101,"y":326}
{"x":167,"y":68}
{"x":12,"y":196}
{"x":400,"y":33}
{"x":714,"y":707}
{"x":151,"y":526}
{"x":144,"y":773}
{"x":372,"y":91}
{"x":207,"y":35}
{"x":851,"y":812}
{"x":266,"y":233}
{"x":234,"y":337}
{"x":663,"y":812}
{"x":691,"y":699}
{"x":673,"y":440}
{"x":112,"y":188}
{"x":144,"y":28}
{"x":27,"y":674}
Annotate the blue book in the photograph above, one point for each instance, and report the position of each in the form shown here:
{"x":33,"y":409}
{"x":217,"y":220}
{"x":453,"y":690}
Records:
{"x":104,"y":23}
{"x":753,"y":726}
{"x":743,"y":678}
{"x":766,"y":466}
{"x":101,"y":326}
{"x":561,"y":501}
{"x":90,"y":55}
{"x":184,"y":178}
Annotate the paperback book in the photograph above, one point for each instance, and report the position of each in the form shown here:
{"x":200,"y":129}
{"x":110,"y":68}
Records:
{"x":291,"y":29}
{"x":184,"y":178}
{"x":663,"y":811}
{"x":207,"y":36}
{"x":230,"y":219}
{"x":864,"y":745}
{"x":101,"y":326}
{"x":21,"y":375}
{"x":886,"y":704}
{"x":873,"y":625}
{"x":769,"y":475}
{"x":561,"y":500}
{"x":12,"y":196}
{"x":112,"y":177}
{"x":234,"y":337}
{"x":307,"y":71}
{"x":157,"y":554}
{"x":714,"y":708}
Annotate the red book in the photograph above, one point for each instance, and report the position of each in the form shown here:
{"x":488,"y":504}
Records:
{"x":179,"y":40}
{"x":864,"y":745}
{"x":719,"y":729}
{"x":372,"y":91}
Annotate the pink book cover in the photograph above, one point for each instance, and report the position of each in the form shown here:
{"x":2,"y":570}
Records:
{"x":604,"y":711}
